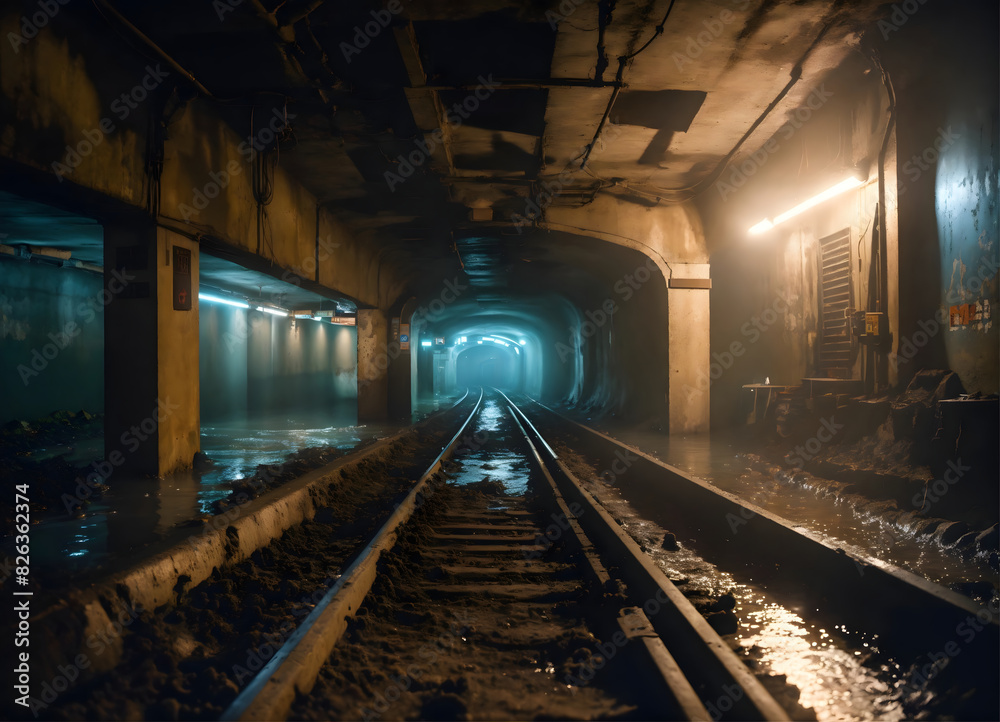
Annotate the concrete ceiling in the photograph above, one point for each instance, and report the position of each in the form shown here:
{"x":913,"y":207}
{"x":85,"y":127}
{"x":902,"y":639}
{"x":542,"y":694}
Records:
{"x":40,"y":229}
{"x":657,"y":95}
{"x":34,"y":225}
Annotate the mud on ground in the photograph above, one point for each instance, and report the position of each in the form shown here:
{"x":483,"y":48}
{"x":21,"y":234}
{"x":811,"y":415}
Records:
{"x":189,"y":661}
{"x":425,"y":646}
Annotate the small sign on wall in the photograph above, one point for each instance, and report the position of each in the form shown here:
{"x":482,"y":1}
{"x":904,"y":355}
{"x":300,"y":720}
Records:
{"x":404,"y":337}
{"x":182,"y":279}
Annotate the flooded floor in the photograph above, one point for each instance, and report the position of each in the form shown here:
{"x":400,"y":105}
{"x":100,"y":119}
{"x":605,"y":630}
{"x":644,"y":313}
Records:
{"x":840,"y":673}
{"x":716,"y":459}
{"x":135,"y":511}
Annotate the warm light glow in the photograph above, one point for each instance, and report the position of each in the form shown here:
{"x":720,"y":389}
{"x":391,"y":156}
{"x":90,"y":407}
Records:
{"x":220,"y":299}
{"x":844,"y":185}
{"x":762,"y":227}
{"x":272,"y":311}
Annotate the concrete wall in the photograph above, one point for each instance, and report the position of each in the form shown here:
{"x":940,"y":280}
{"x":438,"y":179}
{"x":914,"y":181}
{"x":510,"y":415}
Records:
{"x":941,"y":207}
{"x":222,"y":362}
{"x":52,"y":333}
{"x":57,"y":90}
{"x":61,"y":116}
{"x":206,"y":182}
{"x":765,"y":296}
{"x":665,"y":348}
{"x":258,"y":364}
{"x":949,"y":155}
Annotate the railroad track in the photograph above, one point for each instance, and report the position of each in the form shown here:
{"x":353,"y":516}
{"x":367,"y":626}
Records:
{"x":531,"y":585}
{"x":541,"y":586}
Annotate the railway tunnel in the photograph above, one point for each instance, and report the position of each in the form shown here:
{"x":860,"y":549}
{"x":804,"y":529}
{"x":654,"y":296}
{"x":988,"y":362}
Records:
{"x":442,"y":360}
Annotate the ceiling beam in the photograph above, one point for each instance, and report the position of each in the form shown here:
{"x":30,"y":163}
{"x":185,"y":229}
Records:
{"x":425,"y":103}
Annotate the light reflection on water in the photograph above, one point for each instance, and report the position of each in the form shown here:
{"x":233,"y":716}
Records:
{"x":511,"y":468}
{"x":237,"y":449}
{"x":839,"y":672}
{"x":135,"y":511}
{"x":714,"y":459}
{"x":833,"y":672}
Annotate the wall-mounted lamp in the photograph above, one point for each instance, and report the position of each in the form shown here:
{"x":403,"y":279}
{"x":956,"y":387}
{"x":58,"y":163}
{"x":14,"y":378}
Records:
{"x":845,"y":185}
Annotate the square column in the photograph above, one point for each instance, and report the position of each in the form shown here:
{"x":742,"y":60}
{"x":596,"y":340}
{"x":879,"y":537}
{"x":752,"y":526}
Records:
{"x":400,"y":371}
{"x":688,"y":347}
{"x":373,"y":365}
{"x":151,"y":377}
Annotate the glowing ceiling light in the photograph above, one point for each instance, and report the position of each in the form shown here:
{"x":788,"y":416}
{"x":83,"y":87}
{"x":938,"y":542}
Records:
{"x":220,"y":299}
{"x":272,"y":311}
{"x":844,"y":185}
{"x":762,"y":227}
{"x":425,"y":343}
{"x":523,"y":342}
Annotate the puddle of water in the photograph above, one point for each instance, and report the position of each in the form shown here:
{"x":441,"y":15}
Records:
{"x":486,"y":463}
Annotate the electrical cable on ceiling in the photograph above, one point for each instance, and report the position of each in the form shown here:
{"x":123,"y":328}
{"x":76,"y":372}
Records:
{"x":619,"y":81}
{"x":699,"y":187}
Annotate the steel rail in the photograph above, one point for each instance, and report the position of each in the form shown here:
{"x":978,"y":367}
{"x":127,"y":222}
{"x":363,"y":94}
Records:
{"x":295,"y":666}
{"x":701,"y":654}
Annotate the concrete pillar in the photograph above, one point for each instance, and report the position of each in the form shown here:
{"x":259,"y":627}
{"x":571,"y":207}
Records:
{"x":440,"y":371}
{"x":151,"y":376}
{"x":373,"y":364}
{"x":400,"y":360}
{"x":688,"y":347}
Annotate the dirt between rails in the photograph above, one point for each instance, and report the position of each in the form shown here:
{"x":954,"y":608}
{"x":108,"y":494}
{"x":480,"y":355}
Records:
{"x":420,"y":649}
{"x":190,"y":661}
{"x":717,"y":610}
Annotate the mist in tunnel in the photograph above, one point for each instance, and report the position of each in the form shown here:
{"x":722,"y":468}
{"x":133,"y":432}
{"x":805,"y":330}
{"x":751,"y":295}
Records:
{"x":585,"y":335}
{"x":487,"y":367}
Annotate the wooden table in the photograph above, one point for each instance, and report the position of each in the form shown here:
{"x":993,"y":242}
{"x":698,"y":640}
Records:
{"x":757,"y":388}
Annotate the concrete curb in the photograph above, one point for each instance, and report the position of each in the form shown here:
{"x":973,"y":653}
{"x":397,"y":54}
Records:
{"x":911,"y":614}
{"x":294,"y":668}
{"x":87,"y":622}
